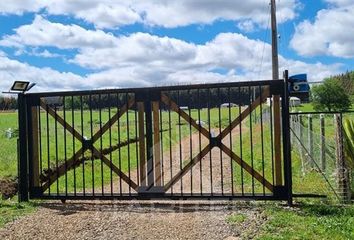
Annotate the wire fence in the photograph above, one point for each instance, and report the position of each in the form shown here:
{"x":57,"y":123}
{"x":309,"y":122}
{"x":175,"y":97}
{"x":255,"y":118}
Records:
{"x":318,"y":143}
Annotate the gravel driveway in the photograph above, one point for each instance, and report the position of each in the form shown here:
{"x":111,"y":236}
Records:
{"x":136,"y":220}
{"x":145,"y":220}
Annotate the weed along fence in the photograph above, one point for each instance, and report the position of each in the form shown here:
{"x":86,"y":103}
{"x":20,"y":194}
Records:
{"x":317,"y":140}
{"x":179,"y":142}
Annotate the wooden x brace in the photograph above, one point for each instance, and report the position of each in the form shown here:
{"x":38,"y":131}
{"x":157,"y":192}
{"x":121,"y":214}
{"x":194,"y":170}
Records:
{"x":167,"y":101}
{"x":74,"y":160}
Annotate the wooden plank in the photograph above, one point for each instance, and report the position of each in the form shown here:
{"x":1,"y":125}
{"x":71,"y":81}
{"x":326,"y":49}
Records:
{"x":277,"y":141}
{"x":35,"y":147}
{"x":187,"y":167}
{"x":245,"y":113}
{"x":174,"y":107}
{"x":60,"y":171}
{"x":142,"y":157}
{"x":157,"y":146}
{"x":113,"y":120}
{"x":115,"y":169}
{"x":60,"y":120}
{"x":74,"y":162}
{"x":247,"y":167}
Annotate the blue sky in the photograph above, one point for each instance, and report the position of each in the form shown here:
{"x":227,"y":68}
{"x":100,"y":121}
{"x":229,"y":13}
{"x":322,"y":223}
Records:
{"x":66,"y":45}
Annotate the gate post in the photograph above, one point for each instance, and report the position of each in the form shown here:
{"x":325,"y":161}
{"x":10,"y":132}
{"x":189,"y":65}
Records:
{"x":22,"y":149}
{"x":286,"y":140}
{"x":32,"y":146}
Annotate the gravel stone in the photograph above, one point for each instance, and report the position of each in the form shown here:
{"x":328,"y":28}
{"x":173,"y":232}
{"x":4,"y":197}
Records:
{"x":136,"y":220}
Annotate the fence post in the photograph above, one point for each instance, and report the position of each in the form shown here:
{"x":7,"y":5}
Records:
{"x":342,"y":170}
{"x":300,"y":134}
{"x":22,"y":150}
{"x":310,"y":140}
{"x":323,"y":143}
{"x":293,"y":127}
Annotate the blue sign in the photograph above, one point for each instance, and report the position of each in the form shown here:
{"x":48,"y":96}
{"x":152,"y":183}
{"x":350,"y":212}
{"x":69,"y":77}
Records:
{"x":299,"y":84}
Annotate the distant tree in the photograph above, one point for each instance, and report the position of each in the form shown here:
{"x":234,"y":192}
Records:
{"x":346,"y":80}
{"x":8,"y":103}
{"x":330,"y":96}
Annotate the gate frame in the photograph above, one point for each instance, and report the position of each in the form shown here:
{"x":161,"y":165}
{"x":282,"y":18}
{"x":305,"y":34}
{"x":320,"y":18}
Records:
{"x":27,"y":190}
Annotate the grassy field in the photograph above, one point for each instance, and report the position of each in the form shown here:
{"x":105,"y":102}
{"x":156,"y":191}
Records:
{"x":288,"y":222}
{"x":54,"y":151}
{"x":308,"y":107}
{"x":315,"y":221}
{"x":303,"y":221}
{"x":8,"y":152}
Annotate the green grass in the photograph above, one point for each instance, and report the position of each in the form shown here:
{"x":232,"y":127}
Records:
{"x":54,"y":152}
{"x":308,"y":107}
{"x":236,"y":218}
{"x":316,"y":221}
{"x":8,"y":150}
{"x":10,"y":210}
{"x":305,"y":107}
{"x":50,"y":157}
{"x":307,"y":222}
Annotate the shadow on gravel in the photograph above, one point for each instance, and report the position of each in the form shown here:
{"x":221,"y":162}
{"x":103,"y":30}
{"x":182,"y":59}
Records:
{"x":147,"y":206}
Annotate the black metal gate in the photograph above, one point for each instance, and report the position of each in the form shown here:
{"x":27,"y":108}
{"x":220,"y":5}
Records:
{"x":196,"y":141}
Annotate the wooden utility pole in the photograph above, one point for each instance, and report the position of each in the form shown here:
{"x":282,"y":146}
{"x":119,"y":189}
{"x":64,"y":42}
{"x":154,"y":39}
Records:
{"x":275,"y":60}
{"x":276,"y":98}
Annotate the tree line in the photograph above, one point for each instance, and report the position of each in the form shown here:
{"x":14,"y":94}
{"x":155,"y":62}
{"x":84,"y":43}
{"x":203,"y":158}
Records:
{"x":8,"y":103}
{"x":193,"y":98}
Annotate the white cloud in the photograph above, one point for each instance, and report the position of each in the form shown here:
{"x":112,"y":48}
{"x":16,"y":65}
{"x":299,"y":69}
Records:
{"x":102,"y":13}
{"x":330,"y":34}
{"x":246,"y":26}
{"x":175,"y":13}
{"x":142,"y":59}
{"x":41,"y":32}
{"x":340,"y":3}
{"x":171,"y":61}
{"x":37,"y":52}
{"x":46,"y":78}
{"x":138,"y":48}
{"x":171,"y":13}
{"x":45,"y":53}
{"x":20,"y":6}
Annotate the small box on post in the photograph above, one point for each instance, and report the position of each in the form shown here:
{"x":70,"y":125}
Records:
{"x":299,"y":87}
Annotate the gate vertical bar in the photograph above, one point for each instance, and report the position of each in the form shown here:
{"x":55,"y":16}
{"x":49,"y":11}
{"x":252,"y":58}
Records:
{"x":22,"y":147}
{"x":156,"y":144}
{"x":149,"y":144}
{"x":286,"y":140}
{"x":142,"y":162}
{"x":277,"y":140}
